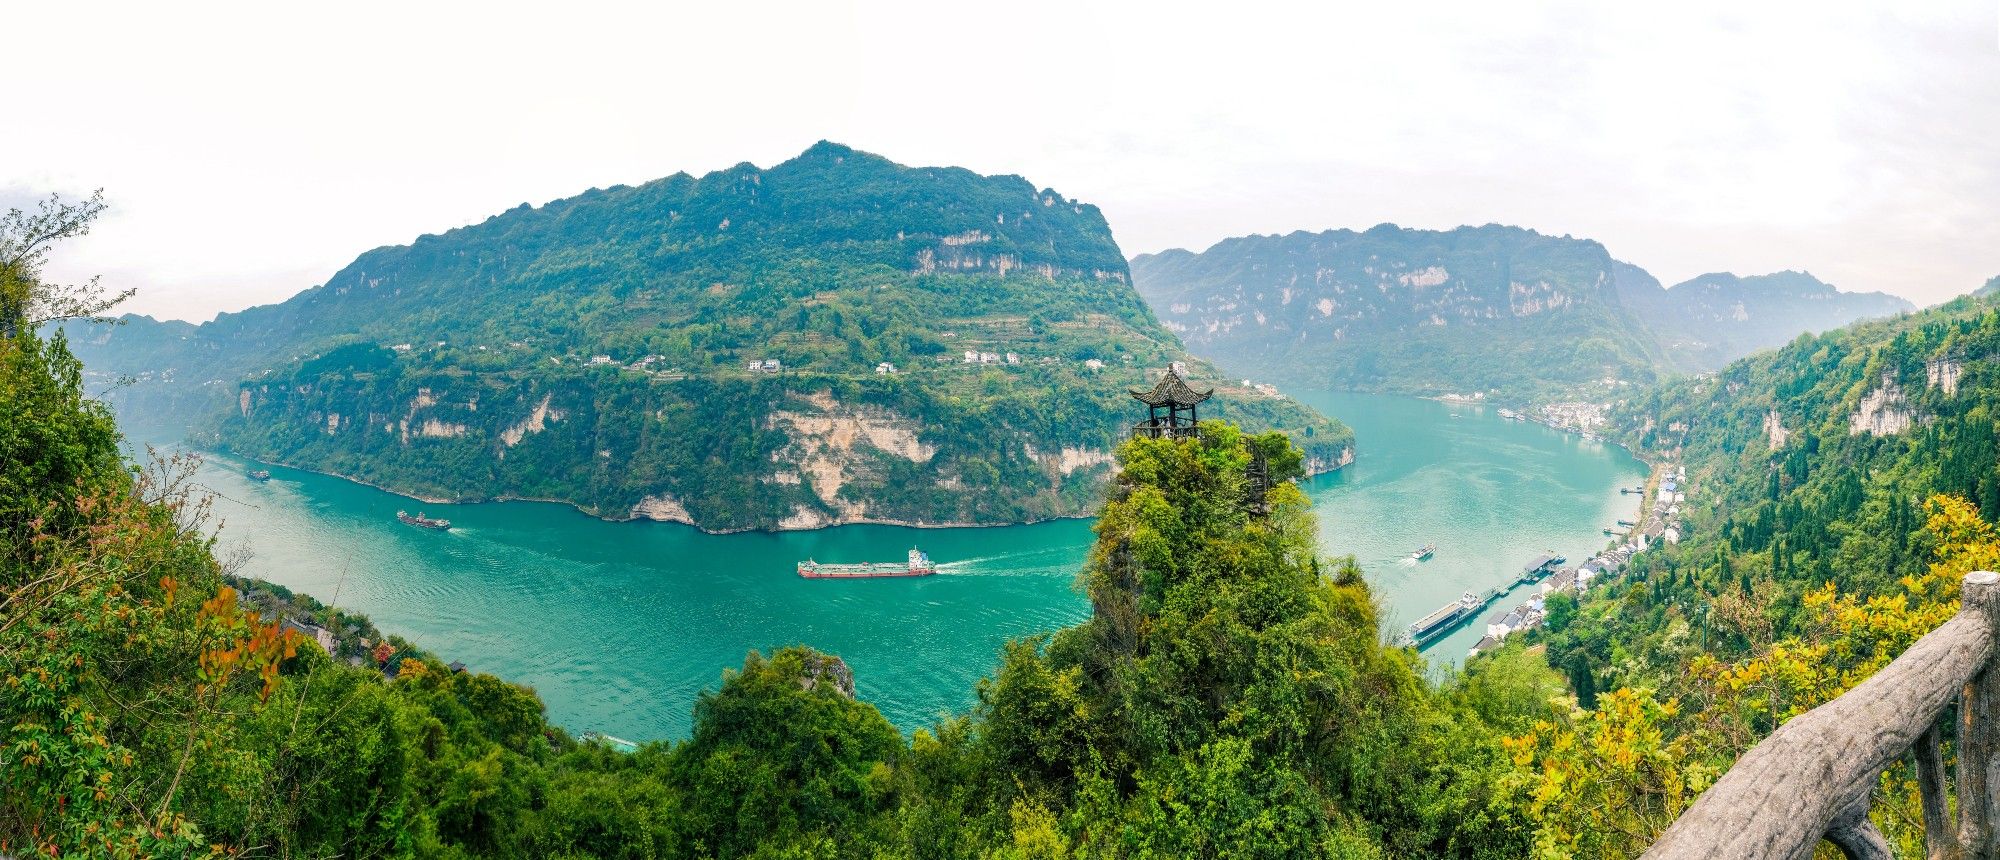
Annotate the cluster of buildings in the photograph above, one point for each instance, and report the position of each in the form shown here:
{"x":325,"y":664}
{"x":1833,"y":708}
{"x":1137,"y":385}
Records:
{"x":885,"y":368}
{"x":1662,"y":524}
{"x":1264,"y":388}
{"x":642,"y":365}
{"x":327,"y":641}
{"x":361,"y":652}
{"x":1580,"y":417}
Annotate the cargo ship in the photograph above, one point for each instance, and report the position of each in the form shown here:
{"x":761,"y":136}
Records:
{"x":918,"y":565}
{"x":1444,"y":618}
{"x":421,"y":521}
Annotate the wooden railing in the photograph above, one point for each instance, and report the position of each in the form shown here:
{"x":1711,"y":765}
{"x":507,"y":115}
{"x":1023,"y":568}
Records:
{"x":1814,"y":777}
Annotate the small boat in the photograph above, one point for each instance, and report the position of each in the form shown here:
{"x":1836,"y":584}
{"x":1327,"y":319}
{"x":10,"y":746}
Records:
{"x":918,"y":564}
{"x":1627,"y":523}
{"x":1509,"y":414}
{"x":1424,"y":552}
{"x":421,"y":521}
{"x":1609,"y":532}
{"x":617,"y":743}
{"x":259,"y":475}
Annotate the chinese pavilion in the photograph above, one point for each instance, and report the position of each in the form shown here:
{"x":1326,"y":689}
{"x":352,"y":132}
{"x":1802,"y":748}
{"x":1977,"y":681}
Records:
{"x":1170,"y":408}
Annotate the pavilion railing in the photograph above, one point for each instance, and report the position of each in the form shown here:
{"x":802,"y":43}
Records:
{"x":1164,"y":429}
{"x":1813,"y":778}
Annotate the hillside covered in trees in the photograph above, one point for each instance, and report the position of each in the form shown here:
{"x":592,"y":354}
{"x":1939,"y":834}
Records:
{"x":1526,"y":316}
{"x":1841,"y":488}
{"x":929,"y":346}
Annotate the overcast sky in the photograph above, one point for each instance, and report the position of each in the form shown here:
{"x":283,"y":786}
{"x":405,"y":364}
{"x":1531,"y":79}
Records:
{"x":249,"y":151}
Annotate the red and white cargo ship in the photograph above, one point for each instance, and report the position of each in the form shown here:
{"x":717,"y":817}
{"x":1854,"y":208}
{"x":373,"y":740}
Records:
{"x":918,"y":565}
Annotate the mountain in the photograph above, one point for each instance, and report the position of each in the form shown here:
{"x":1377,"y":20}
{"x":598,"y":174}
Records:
{"x":1491,"y":308}
{"x":1836,"y":490}
{"x":1709,"y":321}
{"x":1414,"y":311}
{"x":599,"y":350}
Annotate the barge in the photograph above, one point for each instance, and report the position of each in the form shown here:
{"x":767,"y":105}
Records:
{"x":1444,"y":618}
{"x":917,"y":565}
{"x":421,"y":521}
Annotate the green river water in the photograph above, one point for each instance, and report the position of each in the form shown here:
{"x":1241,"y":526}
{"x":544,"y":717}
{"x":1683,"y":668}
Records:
{"x":620,"y":625}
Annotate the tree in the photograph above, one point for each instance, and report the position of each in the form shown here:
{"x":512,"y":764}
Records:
{"x":26,"y":301}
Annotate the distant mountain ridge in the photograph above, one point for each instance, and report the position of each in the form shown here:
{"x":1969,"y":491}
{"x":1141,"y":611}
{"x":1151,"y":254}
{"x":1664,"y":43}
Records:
{"x":1711,"y":320}
{"x":1493,"y":308}
{"x":1415,"y":311}
{"x":837,"y":338}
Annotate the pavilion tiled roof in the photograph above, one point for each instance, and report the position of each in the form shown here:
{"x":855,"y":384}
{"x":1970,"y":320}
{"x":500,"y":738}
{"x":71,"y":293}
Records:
{"x":1172,"y":390}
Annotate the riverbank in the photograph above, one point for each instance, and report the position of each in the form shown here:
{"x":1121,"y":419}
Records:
{"x":1657,"y":523}
{"x":639,"y":511}
{"x":619,"y":626}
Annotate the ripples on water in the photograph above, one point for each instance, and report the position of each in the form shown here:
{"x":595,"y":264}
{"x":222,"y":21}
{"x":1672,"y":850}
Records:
{"x":620,"y":625}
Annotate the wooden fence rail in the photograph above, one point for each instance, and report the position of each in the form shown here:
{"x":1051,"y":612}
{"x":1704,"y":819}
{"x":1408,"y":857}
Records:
{"x":1814,"y":777}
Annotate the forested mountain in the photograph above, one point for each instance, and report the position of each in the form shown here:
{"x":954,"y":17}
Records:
{"x":930,"y":345}
{"x":1490,"y":308}
{"x":1839,"y":489}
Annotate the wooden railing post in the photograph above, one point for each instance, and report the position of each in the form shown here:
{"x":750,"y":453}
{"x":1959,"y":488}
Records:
{"x":1940,"y":834}
{"x":1813,"y":778}
{"x":1979,"y":733}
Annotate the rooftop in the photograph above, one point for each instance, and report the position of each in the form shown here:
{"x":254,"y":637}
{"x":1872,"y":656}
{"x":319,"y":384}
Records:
{"x":1171,"y":390}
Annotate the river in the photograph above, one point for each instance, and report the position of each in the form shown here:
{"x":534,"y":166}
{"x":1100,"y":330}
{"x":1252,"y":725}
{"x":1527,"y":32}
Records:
{"x":619,"y":626}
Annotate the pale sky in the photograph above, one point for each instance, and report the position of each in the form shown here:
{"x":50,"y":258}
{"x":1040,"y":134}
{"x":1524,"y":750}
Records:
{"x":250,"y":150}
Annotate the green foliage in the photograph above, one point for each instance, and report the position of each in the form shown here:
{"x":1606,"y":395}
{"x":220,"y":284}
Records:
{"x":784,"y":757}
{"x":54,"y":443}
{"x":1229,"y":699}
{"x":1844,"y":485}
